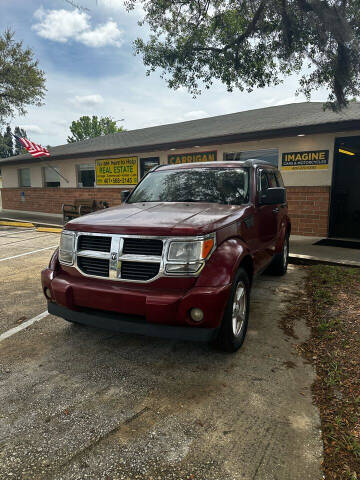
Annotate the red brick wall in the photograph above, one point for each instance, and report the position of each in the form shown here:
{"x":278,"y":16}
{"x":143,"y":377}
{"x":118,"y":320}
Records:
{"x":308,"y":206}
{"x":50,"y":200}
{"x":309,"y":210}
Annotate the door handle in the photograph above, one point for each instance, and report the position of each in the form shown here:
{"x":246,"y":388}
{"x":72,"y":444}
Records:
{"x":276,"y":210}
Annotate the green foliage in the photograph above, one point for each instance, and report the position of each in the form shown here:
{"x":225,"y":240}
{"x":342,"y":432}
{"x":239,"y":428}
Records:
{"x":249,"y":44}
{"x":87,"y":127}
{"x":22,"y":83}
{"x":8,"y":145}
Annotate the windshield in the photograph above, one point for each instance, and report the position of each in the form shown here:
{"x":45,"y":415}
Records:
{"x":215,"y":185}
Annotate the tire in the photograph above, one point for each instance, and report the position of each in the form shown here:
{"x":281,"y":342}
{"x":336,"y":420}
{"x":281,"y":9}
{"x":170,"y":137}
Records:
{"x":280,"y":262}
{"x":233,"y":327}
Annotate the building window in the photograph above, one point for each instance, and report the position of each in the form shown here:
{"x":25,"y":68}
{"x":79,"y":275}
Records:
{"x":147,"y":164}
{"x":24,"y":177}
{"x":270,"y":155}
{"x":86,"y":175}
{"x":51,"y":177}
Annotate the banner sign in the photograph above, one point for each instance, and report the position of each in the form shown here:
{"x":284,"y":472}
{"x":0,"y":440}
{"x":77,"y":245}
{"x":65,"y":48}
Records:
{"x":310,"y":160}
{"x":117,"y":171}
{"x":193,"y":157}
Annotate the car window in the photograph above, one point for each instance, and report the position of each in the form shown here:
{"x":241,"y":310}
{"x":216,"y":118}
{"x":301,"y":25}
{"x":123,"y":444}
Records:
{"x":263,"y":183}
{"x":272,"y":179}
{"x":215,"y":185}
{"x":279,"y":179}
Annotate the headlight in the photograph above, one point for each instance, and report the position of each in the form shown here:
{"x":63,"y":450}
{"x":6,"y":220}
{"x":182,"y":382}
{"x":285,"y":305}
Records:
{"x":190,"y":251}
{"x":67,"y":247}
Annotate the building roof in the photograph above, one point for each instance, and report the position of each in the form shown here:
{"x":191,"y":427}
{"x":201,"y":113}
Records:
{"x":284,"y":120}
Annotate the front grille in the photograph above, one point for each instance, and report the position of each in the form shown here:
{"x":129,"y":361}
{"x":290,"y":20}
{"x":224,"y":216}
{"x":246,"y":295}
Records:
{"x":139,"y":270}
{"x":94,"y":266}
{"x":142,"y":246}
{"x":97,"y":243}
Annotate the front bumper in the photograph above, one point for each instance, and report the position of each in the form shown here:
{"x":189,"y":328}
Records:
{"x":122,"y":323}
{"x":142,"y":309}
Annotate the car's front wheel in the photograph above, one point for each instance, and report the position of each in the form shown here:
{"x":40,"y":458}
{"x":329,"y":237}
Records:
{"x":235,"y":321}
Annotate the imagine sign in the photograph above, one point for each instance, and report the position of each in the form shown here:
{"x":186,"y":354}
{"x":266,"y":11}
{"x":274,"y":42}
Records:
{"x":310,"y":160}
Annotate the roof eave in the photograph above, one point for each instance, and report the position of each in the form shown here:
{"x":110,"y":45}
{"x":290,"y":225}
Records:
{"x":190,"y":143}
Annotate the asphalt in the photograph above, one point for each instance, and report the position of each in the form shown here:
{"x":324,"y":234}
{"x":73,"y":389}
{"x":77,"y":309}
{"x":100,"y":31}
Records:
{"x":81,"y":403}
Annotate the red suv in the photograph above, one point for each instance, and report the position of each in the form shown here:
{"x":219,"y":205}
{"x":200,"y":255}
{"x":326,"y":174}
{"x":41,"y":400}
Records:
{"x":178,"y":257}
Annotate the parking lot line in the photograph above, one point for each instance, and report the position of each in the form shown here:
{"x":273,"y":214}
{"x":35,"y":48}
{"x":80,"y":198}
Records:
{"x":24,"y":325}
{"x":28,"y":253}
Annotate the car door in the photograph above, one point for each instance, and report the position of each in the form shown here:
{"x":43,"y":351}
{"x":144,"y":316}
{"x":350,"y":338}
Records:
{"x":267,"y":217}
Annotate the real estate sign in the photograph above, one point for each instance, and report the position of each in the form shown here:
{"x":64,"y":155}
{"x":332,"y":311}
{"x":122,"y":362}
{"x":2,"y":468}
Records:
{"x":309,"y":160}
{"x":117,"y":171}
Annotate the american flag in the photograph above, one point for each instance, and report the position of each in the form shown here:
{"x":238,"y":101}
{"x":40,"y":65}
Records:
{"x":33,"y":148}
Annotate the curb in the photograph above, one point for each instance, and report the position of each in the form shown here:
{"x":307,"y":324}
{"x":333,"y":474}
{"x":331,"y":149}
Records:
{"x":17,"y":224}
{"x":31,"y":225}
{"x":296,"y":259}
{"x":49,"y":229}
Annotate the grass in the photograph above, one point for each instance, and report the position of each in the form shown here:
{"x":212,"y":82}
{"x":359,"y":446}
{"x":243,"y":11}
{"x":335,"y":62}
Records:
{"x":332,"y":310}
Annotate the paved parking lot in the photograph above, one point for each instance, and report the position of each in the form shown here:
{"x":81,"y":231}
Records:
{"x":80,"y":403}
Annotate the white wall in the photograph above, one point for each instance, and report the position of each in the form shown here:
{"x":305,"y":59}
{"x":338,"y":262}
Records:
{"x":284,"y":144}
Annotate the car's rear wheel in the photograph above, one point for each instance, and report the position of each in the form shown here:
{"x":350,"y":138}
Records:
{"x":280,"y":262}
{"x":235,"y":321}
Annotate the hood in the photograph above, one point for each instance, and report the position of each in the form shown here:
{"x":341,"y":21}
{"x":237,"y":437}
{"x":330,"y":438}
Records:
{"x":158,"y":218}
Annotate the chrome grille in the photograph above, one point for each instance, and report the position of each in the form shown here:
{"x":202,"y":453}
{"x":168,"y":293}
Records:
{"x":142,"y":246}
{"x":139,"y":270}
{"x":95,"y":243}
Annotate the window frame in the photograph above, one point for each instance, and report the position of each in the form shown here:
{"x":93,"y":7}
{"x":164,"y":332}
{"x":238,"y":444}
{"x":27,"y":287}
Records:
{"x":20,"y":179}
{"x":78,"y":170}
{"x":44,"y":178}
{"x":255,"y":155}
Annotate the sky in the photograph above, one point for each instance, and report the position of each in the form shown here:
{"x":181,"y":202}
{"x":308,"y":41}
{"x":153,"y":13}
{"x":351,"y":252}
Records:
{"x":91,"y":69}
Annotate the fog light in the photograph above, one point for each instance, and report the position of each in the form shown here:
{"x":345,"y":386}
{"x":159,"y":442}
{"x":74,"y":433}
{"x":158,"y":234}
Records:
{"x":47,"y":293}
{"x":196,"y":314}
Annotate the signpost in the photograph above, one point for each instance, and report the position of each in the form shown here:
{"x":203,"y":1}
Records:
{"x":309,"y":160}
{"x":117,"y":171}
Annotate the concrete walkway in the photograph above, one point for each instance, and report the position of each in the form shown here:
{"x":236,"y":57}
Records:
{"x":303,"y":250}
{"x":37,"y":219}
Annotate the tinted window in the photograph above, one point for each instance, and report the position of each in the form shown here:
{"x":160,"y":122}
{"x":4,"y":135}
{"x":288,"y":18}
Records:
{"x":214,"y":185}
{"x":279,"y":179}
{"x":86,"y":175}
{"x":272,"y":179}
{"x":263,"y":181}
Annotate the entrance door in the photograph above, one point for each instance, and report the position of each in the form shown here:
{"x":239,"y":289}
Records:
{"x":345,"y":193}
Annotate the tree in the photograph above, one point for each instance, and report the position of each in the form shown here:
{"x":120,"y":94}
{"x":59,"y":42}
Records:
{"x":9,"y":146}
{"x":249,"y":44}
{"x":87,"y":127}
{"x":6,"y":143}
{"x":22,"y":83}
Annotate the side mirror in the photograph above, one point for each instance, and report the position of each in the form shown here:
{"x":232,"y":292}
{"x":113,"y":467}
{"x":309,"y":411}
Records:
{"x":124,"y":195}
{"x":272,"y":196}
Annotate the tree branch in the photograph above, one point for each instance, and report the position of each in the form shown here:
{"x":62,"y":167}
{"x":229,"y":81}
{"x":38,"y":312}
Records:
{"x":250,"y":29}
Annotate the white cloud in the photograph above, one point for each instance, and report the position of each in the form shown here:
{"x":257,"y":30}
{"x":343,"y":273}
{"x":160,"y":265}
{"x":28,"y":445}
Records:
{"x":64,"y":25}
{"x":87,"y":100}
{"x":194,"y":115}
{"x":32,"y":128}
{"x":107,"y":34}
